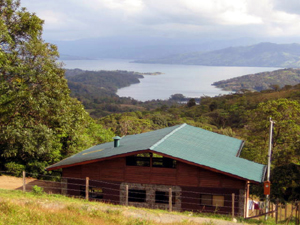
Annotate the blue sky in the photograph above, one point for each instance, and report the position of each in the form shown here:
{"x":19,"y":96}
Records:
{"x":186,"y":19}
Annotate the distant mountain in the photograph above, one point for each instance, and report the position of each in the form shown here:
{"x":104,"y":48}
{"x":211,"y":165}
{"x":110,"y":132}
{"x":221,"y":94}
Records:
{"x":259,"y":55}
{"x":72,"y":57}
{"x":141,"y":48}
{"x":261,"y":81}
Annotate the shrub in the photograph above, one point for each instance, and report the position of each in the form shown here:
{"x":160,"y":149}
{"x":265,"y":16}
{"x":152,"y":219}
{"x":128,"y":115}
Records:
{"x":37,"y":190}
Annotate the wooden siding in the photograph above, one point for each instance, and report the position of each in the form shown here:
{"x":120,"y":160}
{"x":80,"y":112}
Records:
{"x":190,"y":199}
{"x":193,"y":180}
{"x":183,"y":175}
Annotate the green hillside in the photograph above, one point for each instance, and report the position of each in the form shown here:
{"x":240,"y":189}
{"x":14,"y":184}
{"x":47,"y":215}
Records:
{"x":261,"y":81}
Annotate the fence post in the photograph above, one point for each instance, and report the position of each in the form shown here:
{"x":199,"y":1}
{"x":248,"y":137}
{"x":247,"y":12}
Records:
{"x":232,"y":206}
{"x":126,"y":195}
{"x":271,"y":209}
{"x":64,"y":186}
{"x":87,"y":188}
{"x":285,"y":208}
{"x":24,"y":181}
{"x":280,"y":209}
{"x":297,"y":213}
{"x":170,"y":199}
{"x":276,"y":211}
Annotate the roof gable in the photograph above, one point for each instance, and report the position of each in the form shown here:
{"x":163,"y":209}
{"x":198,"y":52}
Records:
{"x":184,"y":142}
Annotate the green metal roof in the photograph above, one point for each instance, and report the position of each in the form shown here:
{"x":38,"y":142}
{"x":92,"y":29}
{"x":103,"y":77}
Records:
{"x":184,"y":142}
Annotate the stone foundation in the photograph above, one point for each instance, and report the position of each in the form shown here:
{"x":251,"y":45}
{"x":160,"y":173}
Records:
{"x":150,"y":195}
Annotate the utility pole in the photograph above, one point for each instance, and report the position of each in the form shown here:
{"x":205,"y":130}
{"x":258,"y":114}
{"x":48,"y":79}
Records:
{"x":269,"y":167}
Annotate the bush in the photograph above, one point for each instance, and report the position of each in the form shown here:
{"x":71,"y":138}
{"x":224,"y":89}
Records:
{"x":14,"y":168}
{"x":37,"y":190}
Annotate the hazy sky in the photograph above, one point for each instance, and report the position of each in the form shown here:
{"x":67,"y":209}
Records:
{"x":77,"y":19}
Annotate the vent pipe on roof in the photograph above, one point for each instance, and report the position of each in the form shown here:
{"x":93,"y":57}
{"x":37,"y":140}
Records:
{"x":117,"y":141}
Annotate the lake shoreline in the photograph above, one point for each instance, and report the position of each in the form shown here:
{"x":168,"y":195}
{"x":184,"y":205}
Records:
{"x":189,"y":80}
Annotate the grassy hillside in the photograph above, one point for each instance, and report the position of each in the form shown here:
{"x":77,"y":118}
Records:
{"x":30,"y":208}
{"x":260,"y":55}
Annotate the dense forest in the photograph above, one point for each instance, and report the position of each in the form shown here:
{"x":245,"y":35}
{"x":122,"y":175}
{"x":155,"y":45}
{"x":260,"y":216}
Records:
{"x":97,"y":91}
{"x":40,"y":123}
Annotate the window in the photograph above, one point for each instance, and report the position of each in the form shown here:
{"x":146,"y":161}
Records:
{"x":82,"y":191}
{"x":206,"y":200}
{"x":96,"y":193}
{"x":163,"y":197}
{"x":144,"y":159}
{"x":138,"y":160}
{"x":163,"y":162}
{"x":136,"y":195}
{"x":212,"y":200}
{"x":218,"y":200}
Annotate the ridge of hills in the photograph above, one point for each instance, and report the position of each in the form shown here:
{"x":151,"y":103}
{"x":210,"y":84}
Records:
{"x":261,"y":81}
{"x":260,"y":55}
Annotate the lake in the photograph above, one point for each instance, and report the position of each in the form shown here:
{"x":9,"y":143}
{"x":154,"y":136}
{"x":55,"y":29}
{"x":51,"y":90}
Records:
{"x":189,"y":80}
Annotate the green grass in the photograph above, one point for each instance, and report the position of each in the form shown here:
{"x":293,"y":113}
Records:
{"x":17,"y":207}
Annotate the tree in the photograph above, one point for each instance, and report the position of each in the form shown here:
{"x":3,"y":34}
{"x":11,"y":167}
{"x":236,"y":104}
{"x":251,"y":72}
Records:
{"x":191,"y":102}
{"x":39,"y":122}
{"x":286,"y":182}
{"x":286,"y":132}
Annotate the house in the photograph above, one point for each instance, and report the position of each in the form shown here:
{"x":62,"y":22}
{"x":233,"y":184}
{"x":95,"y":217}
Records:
{"x":203,"y":169}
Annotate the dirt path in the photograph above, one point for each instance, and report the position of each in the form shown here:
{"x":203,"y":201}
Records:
{"x":16,"y":183}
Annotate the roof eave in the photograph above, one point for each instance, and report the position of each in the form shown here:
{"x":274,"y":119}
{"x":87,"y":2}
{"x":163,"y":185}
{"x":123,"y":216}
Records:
{"x":152,"y":151}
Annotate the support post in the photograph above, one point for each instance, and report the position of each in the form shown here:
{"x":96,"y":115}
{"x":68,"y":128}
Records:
{"x":170,"y":199}
{"x":24,"y":181}
{"x":87,"y":188}
{"x":232,"y":206}
{"x":269,"y":166}
{"x":247,"y":194}
{"x":126,"y":195}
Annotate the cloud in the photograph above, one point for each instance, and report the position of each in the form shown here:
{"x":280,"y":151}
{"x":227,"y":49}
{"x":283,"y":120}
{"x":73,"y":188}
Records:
{"x":76,"y":19}
{"x":290,"y":6}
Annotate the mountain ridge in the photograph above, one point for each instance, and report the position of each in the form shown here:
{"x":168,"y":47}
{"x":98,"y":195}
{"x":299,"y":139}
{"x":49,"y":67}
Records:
{"x":264,"y":54}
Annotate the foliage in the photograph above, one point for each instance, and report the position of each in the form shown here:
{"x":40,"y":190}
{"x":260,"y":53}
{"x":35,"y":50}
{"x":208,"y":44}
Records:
{"x":97,"y":91}
{"x":275,"y":80}
{"x":286,"y":183}
{"x":14,"y":168}
{"x":36,"y":190}
{"x":285,"y":142}
{"x":39,"y":122}
{"x":191,"y":102}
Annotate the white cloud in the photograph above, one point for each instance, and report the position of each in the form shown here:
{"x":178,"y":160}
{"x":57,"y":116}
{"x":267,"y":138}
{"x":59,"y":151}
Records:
{"x":74,"y":19}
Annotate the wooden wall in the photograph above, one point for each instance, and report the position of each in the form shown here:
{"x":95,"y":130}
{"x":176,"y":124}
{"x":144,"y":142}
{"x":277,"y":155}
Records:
{"x":183,"y":175}
{"x":193,"y":180}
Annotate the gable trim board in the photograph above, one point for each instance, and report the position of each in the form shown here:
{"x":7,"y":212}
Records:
{"x":185,"y":143}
